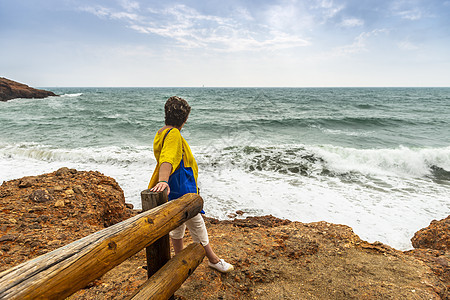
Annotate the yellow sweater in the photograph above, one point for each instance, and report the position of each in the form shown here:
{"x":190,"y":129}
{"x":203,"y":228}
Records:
{"x":174,"y":148}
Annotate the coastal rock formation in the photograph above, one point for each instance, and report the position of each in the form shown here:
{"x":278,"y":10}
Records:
{"x":273,"y":258}
{"x":10,"y":90}
{"x":435,"y":236}
{"x":432,"y":245}
{"x":279,"y":259}
{"x":41,"y":213}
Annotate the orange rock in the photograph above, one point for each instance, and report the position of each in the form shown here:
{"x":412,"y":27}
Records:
{"x":435,"y":236}
{"x":10,"y":89}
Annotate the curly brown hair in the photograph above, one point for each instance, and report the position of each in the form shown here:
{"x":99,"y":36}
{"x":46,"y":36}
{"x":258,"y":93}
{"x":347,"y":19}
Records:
{"x":177,"y":111}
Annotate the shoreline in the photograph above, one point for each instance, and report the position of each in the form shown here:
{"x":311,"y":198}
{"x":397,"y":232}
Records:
{"x":272,"y":256}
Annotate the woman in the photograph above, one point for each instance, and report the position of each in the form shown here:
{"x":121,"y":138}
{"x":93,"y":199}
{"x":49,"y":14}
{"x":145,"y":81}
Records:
{"x":177,"y":171}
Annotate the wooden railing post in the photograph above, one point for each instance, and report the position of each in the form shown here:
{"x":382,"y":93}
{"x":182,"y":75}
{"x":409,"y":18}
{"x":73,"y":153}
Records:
{"x":158,"y":253}
{"x":170,"y":277}
{"x":60,"y":273}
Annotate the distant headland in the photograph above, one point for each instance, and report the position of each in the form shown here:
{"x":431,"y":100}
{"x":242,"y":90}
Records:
{"x":10,"y":90}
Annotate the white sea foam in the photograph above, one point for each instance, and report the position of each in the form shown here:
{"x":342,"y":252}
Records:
{"x":72,"y":95}
{"x":390,"y":217}
{"x":111,"y":155}
{"x":342,"y":132}
{"x":390,"y":190}
{"x":401,"y":162}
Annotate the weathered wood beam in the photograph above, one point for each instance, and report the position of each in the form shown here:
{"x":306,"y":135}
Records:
{"x":62,"y":272}
{"x":169,"y":278}
{"x":157,"y":253}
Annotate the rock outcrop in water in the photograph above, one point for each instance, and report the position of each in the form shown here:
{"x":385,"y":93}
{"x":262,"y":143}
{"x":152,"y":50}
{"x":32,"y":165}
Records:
{"x":10,"y":90}
{"x":273,"y":258}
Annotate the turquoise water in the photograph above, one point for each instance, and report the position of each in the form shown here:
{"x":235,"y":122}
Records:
{"x":377,"y":159}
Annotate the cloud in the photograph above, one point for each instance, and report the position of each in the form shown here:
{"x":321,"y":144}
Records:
{"x":99,"y":11}
{"x":407,"y":45}
{"x":412,"y":14}
{"x":328,"y":9}
{"x":351,"y":22}
{"x":107,"y":13}
{"x":359,"y":44}
{"x":408,"y":10}
{"x":129,"y":5}
{"x":191,"y":29}
{"x":301,"y":15}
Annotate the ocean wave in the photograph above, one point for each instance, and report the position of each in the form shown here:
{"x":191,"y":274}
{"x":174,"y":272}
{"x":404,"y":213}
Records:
{"x":111,"y":155}
{"x":72,"y":95}
{"x":362,"y":122}
{"x":294,"y":160}
{"x":343,"y":132}
{"x":328,"y":160}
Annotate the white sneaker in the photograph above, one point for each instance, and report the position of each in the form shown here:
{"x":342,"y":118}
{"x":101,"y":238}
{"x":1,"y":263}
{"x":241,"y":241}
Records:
{"x":222,"y":266}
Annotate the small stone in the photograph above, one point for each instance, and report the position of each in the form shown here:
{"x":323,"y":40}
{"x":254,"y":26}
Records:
{"x":442,"y":261}
{"x":35,"y":244}
{"x":54,"y":243}
{"x":62,"y":236}
{"x":129,"y":205}
{"x":77,"y":189}
{"x":8,"y":238}
{"x":62,"y":171}
{"x":232,"y":216}
{"x":6,"y":247}
{"x":59,"y":203}
{"x":240,"y":212}
{"x":58,"y":188}
{"x":35,"y":226}
{"x":26,"y":182}
{"x":40,"y":196}
{"x":69,"y":192}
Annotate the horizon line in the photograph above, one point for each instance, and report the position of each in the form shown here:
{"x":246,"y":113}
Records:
{"x":244,"y":87}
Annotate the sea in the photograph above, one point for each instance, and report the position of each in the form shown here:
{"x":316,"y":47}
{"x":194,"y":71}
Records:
{"x":375,"y":159}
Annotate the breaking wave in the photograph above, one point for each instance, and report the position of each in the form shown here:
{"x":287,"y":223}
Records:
{"x":72,"y":95}
{"x":301,"y":160}
{"x":327,"y":160}
{"x":111,"y":155}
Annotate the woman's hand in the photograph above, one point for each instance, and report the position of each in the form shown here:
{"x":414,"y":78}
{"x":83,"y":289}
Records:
{"x":161,"y":186}
{"x":164,"y":172}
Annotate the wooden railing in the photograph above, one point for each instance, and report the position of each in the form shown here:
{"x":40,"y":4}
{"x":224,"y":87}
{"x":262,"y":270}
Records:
{"x":62,"y":272}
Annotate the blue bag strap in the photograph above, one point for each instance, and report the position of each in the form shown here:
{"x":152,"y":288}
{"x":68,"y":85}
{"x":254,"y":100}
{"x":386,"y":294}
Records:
{"x":165,"y":137}
{"x":182,"y":152}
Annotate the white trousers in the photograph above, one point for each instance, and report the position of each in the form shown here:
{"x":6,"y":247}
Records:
{"x":197,"y":229}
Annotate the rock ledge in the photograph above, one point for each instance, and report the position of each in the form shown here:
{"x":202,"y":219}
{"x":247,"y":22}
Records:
{"x":10,"y":90}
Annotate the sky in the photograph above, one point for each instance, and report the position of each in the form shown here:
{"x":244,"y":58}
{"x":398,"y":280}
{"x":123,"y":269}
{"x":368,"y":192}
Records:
{"x":232,"y":43}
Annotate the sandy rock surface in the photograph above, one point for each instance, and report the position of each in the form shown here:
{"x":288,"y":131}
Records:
{"x":273,"y":258}
{"x":432,"y":245}
{"x":41,"y":213}
{"x":435,"y":236}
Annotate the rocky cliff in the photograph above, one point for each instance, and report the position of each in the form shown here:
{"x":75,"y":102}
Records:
{"x":41,"y":213}
{"x":433,"y":248}
{"x":273,"y":258}
{"x":10,"y":90}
